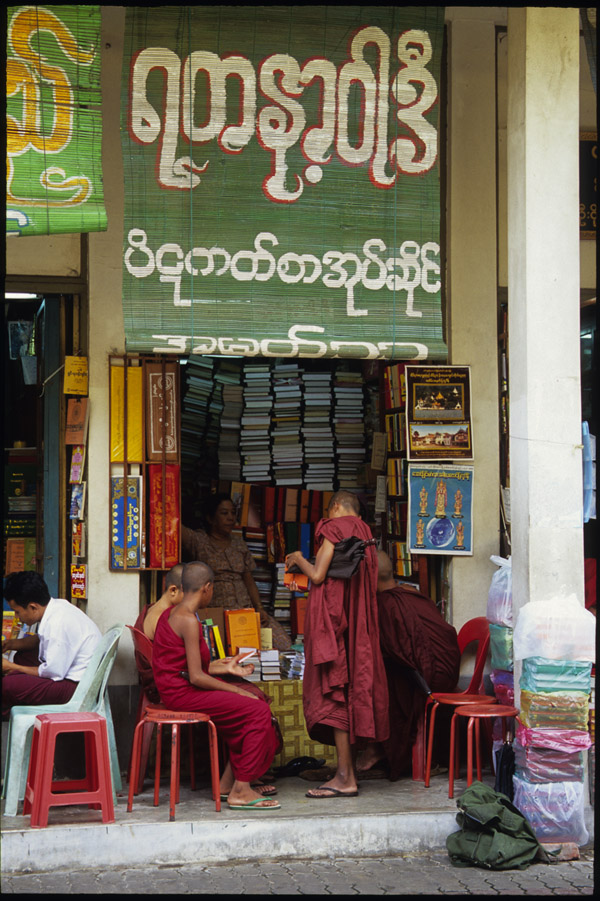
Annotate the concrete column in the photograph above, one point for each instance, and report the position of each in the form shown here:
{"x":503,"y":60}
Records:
{"x":472,"y":291}
{"x":543,"y":305}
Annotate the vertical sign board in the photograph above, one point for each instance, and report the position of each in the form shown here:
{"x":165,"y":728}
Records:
{"x":281,"y":181}
{"x":54,"y":121}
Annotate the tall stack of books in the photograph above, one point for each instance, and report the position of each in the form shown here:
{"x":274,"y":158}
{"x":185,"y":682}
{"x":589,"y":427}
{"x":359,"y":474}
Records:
{"x":348,"y":419}
{"x":281,"y":600}
{"x":269,"y":665}
{"x":256,"y":423}
{"x":230,"y":461}
{"x":255,"y":676}
{"x":286,"y":445}
{"x":194,"y":413}
{"x":256,"y":539}
{"x":319,"y":448}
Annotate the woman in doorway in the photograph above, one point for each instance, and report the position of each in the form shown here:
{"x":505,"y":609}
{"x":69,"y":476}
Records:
{"x":231,"y":561}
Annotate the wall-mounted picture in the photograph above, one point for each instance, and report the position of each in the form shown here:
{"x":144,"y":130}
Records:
{"x":438,"y":413}
{"x":440,"y":509}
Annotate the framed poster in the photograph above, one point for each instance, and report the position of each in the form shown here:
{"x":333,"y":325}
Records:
{"x":438,"y":413}
{"x":440,"y":509}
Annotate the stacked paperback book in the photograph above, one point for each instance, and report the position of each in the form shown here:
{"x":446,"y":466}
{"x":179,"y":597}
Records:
{"x":348,"y":419}
{"x":319,"y":449}
{"x":256,"y":423}
{"x":230,"y":461}
{"x":286,"y":446}
{"x":269,"y":664}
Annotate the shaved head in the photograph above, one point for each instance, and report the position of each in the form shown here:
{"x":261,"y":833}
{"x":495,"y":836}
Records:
{"x":195,"y":576}
{"x":386,"y":570}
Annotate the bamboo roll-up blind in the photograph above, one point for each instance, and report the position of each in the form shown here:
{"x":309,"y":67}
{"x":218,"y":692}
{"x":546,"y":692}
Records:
{"x":282,"y":180}
{"x":54,"y":120}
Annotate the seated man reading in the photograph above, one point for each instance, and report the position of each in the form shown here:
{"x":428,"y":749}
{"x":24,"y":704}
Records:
{"x":413,"y":636}
{"x":60,"y":651}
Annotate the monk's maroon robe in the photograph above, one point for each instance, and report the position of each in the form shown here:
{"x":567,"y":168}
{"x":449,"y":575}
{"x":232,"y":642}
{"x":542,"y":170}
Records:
{"x":413,"y":635}
{"x":344,"y":676}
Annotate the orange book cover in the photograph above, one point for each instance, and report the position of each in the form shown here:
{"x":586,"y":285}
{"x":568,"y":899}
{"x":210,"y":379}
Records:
{"x":243,"y":629}
{"x":299,"y":578}
{"x":298,"y":612}
{"x":78,"y":412}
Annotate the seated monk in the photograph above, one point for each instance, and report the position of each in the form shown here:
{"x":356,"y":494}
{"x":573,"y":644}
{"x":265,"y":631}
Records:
{"x":146,"y":623}
{"x":188,"y":679}
{"x":413,"y":636}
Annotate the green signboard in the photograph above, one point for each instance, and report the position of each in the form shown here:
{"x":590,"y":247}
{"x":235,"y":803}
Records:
{"x":282,"y":181}
{"x":54,"y":121}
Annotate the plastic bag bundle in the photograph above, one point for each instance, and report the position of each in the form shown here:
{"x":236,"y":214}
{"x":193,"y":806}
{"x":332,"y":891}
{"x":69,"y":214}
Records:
{"x":503,"y":687}
{"x":566,"y":740}
{"x":554,"y":710}
{"x":559,"y":628}
{"x":544,"y":674}
{"x":547,"y":765}
{"x":499,"y":605}
{"x":501,"y":647}
{"x":554,"y":809}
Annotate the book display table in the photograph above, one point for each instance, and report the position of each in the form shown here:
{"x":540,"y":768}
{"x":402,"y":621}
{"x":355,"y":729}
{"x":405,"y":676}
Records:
{"x":287,"y":707}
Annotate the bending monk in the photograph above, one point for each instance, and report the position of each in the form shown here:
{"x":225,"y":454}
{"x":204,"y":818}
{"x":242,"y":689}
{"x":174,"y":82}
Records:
{"x":413,"y":636}
{"x":187,"y":679}
{"x":344,"y":690}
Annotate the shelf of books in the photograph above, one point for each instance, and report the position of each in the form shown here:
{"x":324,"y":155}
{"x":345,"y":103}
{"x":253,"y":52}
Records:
{"x":145,"y":463}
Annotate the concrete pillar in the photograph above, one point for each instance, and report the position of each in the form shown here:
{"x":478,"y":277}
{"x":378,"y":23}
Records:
{"x":472,"y":291}
{"x":543,"y":304}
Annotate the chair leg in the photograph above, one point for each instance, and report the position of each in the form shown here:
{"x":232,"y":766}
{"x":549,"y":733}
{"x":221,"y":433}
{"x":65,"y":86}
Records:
{"x":157,"y":764}
{"x":146,"y":742}
{"x":470,"y":751}
{"x":434,"y":708}
{"x":213,"y":744}
{"x":174,"y":789}
{"x":478,"y":747}
{"x":452,"y":757}
{"x":135,"y":762}
{"x":192,"y":761}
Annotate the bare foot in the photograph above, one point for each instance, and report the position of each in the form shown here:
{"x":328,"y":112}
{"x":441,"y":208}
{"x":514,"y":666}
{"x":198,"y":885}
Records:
{"x":242,"y":793}
{"x":367,"y":759}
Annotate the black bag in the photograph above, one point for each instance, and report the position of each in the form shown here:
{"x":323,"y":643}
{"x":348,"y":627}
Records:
{"x":347,"y":554}
{"x":505,"y":769}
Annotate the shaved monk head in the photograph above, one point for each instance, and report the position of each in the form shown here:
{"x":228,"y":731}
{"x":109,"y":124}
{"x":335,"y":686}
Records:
{"x":385,"y":575}
{"x":347,"y":500}
{"x":196,"y":576}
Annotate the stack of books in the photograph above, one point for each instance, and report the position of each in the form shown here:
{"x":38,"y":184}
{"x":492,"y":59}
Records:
{"x":230,"y":461}
{"x":194,"y":407}
{"x":292,"y":663}
{"x":348,"y":419}
{"x":256,"y":539}
{"x":269,"y":664}
{"x":319,"y":448}
{"x":254,"y":659}
{"x":256,"y":423}
{"x":286,"y":445}
{"x":281,"y":600}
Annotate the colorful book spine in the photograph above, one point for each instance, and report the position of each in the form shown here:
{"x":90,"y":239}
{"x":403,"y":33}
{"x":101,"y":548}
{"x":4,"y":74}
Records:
{"x":126,"y":531}
{"x":163,"y":536}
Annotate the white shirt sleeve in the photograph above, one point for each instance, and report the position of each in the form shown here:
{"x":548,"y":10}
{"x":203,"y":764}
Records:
{"x":68,"y":638}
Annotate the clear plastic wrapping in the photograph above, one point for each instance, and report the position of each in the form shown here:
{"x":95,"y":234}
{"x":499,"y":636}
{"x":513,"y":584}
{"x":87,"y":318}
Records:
{"x":559,"y":628}
{"x":554,"y":710}
{"x":536,"y":764}
{"x":501,"y":647}
{"x":554,"y":809}
{"x":544,"y":674}
{"x":499,"y":604}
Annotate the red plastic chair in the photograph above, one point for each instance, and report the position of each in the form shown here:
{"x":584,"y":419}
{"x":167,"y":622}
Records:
{"x":478,"y":630}
{"x":143,"y":649}
{"x":475,"y":713}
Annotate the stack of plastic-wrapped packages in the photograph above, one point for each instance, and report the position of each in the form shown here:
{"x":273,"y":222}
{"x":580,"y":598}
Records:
{"x":500,"y":618}
{"x":555,"y":639}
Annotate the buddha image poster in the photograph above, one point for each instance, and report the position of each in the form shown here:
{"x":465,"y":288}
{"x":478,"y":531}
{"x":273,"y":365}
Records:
{"x":440,"y":509}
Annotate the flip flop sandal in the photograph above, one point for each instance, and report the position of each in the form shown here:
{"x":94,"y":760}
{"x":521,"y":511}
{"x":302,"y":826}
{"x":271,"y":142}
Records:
{"x":298,"y":764}
{"x":332,"y":793}
{"x":254,"y":805}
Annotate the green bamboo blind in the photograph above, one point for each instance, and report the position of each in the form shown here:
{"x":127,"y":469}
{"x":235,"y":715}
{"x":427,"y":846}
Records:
{"x":281,"y":173}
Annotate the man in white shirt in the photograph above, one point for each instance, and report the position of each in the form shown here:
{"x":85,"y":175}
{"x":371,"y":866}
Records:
{"x":64,"y":643}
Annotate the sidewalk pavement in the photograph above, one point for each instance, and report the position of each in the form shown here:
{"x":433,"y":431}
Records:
{"x":397,"y":830}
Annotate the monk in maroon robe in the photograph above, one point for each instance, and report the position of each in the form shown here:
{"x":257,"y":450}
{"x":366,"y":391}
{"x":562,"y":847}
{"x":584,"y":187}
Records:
{"x":344,"y":689}
{"x":414,"y":637}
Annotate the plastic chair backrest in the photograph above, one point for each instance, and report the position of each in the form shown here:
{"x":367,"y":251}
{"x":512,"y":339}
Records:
{"x":90,"y":690}
{"x":477,"y":629}
{"x":142,"y":644}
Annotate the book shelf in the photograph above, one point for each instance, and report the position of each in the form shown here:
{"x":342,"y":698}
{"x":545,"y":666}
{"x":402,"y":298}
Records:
{"x":394,"y":519}
{"x":145,"y":463}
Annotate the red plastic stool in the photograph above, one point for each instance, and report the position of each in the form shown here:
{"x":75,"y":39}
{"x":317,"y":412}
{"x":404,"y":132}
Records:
{"x":453,"y":699}
{"x":175,"y":718}
{"x":95,"y":789}
{"x":476,"y":713}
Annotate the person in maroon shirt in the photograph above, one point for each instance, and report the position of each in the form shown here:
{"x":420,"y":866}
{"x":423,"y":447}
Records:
{"x":344,"y":689}
{"x":414,"y":638}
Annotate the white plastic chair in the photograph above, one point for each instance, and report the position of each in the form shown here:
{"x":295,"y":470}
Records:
{"x":90,"y":696}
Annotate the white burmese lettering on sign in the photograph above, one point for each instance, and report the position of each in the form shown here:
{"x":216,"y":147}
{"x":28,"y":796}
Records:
{"x":281,"y":124}
{"x":403,"y":272}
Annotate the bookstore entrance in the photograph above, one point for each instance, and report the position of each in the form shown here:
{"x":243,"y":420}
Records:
{"x":34,"y":512}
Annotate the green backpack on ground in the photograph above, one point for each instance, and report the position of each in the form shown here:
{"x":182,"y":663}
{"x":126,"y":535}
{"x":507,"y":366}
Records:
{"x":493,"y":834}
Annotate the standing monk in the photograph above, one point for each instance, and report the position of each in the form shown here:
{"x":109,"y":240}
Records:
{"x":345,"y":691}
{"x":414,"y":636}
